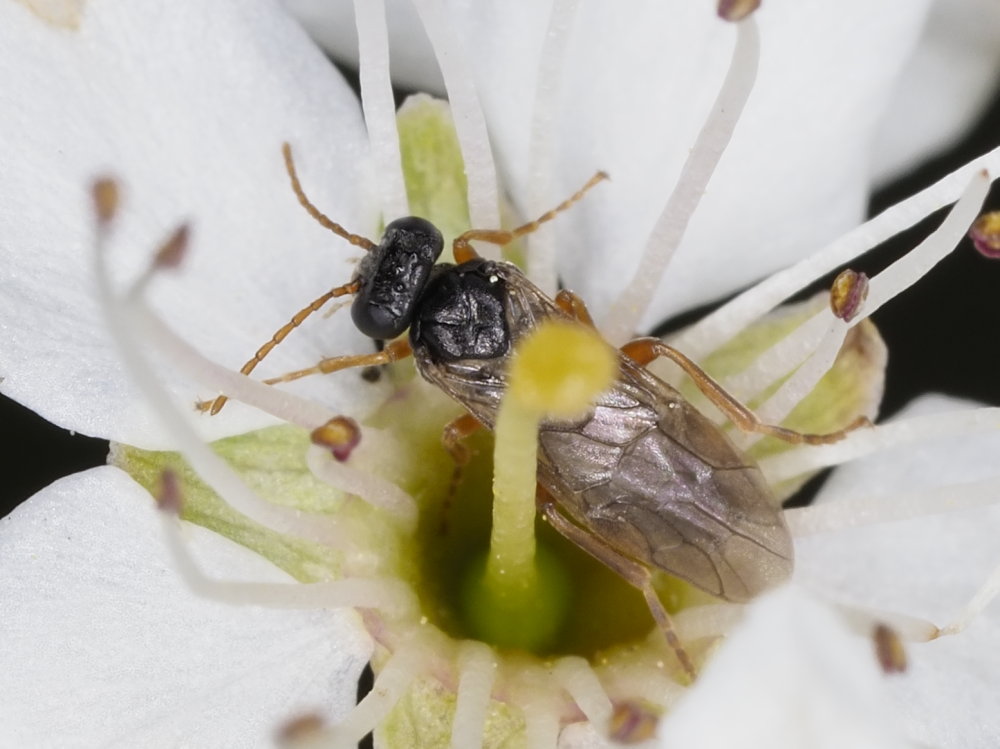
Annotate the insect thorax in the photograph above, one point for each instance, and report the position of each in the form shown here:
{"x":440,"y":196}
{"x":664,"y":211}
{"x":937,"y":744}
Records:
{"x":462,"y":314}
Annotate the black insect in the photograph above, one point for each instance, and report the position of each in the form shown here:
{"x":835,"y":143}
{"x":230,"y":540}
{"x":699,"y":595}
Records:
{"x":643,"y":482}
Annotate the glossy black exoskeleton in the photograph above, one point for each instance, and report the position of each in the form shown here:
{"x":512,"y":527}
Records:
{"x":393,"y":277}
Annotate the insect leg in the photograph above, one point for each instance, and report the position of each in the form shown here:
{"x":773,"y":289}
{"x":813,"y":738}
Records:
{"x":645,"y":350}
{"x":394,"y":351}
{"x":454,"y":432}
{"x":574,"y":306}
{"x":464,"y":251}
{"x":633,"y":573}
{"x":213,"y":407}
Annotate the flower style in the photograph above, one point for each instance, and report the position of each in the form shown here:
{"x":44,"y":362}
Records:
{"x":136,"y":80}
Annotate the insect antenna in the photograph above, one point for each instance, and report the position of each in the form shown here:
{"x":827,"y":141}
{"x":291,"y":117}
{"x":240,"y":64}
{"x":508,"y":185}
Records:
{"x":462,"y":247}
{"x":321,"y":218}
{"x":213,"y":407}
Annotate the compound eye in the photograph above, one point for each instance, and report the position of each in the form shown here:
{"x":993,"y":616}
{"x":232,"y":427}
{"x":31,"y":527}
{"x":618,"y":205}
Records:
{"x":393,"y":277}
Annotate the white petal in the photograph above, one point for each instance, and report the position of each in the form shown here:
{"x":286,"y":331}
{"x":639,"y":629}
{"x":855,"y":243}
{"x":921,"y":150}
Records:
{"x":637,"y":89}
{"x":187,"y":103}
{"x":105,"y":646}
{"x":789,"y":676}
{"x":927,"y":567}
{"x":944,"y":87}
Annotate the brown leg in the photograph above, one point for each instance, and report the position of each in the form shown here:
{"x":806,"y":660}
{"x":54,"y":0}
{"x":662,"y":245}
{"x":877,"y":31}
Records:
{"x":213,"y":407}
{"x":632,"y":572}
{"x":645,"y":350}
{"x":454,"y":432}
{"x":574,"y":306}
{"x":393,"y":352}
{"x":462,"y":246}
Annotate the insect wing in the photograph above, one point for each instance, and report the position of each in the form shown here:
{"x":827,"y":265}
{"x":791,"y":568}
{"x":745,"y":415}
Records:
{"x":652,"y":477}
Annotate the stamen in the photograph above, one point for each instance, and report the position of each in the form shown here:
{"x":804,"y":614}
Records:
{"x":623,"y":319}
{"x":896,"y":278}
{"x":391,"y":683}
{"x":576,"y":676}
{"x":855,"y":512}
{"x":541,"y":261}
{"x":285,"y":405}
{"x":477,"y":672}
{"x":864,"y":620}
{"x":375,"y":491}
{"x":379,"y":105}
{"x":541,"y":717}
{"x":884,"y":436}
{"x":983,"y":597}
{"x":712,"y":331}
{"x":470,"y":123}
{"x":391,"y":596}
{"x":120,"y":318}
{"x":985,"y":235}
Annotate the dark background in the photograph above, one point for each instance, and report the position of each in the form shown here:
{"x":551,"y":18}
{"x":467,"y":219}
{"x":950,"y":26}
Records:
{"x":942,"y":333}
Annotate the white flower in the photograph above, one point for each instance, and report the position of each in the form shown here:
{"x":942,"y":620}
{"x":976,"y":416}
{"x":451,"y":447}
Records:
{"x":186,"y":103}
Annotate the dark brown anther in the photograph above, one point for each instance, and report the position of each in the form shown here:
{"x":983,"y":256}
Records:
{"x":848,"y":293}
{"x":168,"y":495}
{"x":303,"y":730}
{"x":340,"y":435}
{"x":985,"y":235}
{"x":105,"y":196}
{"x":737,"y":10}
{"x":889,"y":649}
{"x":171,"y":253}
{"x":632,"y":722}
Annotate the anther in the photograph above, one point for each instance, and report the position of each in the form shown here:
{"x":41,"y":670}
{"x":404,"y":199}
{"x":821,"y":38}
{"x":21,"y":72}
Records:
{"x":171,"y":253}
{"x":632,"y":722}
{"x":737,"y":10}
{"x":168,"y":495}
{"x":848,"y":293}
{"x":340,"y":435}
{"x":889,"y":649}
{"x":105,"y":196}
{"x":985,"y":235}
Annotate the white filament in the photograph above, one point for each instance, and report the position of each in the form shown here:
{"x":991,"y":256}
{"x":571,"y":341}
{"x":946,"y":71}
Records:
{"x":540,"y":715}
{"x":390,"y":685}
{"x":983,"y":597}
{"x":388,"y":595}
{"x":216,"y":378}
{"x":467,"y":112}
{"x":896,"y":278}
{"x":853,"y":512}
{"x":541,"y":260}
{"x":708,"y":334}
{"x":867,"y":441}
{"x":372,"y":489}
{"x":379,"y":106}
{"x":576,"y":676}
{"x":623,"y":318}
{"x":213,"y":470}
{"x":477,"y":672}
